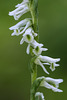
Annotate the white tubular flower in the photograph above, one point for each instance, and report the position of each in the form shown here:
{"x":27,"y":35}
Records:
{"x":20,"y":27}
{"x":38,"y":49}
{"x":27,"y":37}
{"x":20,"y":10}
{"x":50,"y":61}
{"x":39,"y":96}
{"x":51,"y":83}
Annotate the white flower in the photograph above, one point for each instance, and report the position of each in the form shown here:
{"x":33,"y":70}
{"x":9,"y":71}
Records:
{"x":28,"y":37}
{"x":39,"y":95}
{"x":20,"y":10}
{"x":47,"y":61}
{"x":51,"y":83}
{"x":21,"y":26}
{"x":38,"y":49}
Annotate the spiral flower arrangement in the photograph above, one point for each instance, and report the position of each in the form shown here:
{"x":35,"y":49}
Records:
{"x":28,"y":29}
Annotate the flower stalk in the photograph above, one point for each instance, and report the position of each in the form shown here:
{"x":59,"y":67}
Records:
{"x":34,"y":14}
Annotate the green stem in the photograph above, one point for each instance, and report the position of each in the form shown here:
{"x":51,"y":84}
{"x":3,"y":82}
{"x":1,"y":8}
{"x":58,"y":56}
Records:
{"x":34,"y":14}
{"x":33,"y":78}
{"x":33,"y":73}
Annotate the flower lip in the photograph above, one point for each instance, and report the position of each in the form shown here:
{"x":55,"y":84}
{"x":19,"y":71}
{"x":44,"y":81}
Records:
{"x":28,"y":38}
{"x":38,"y":50}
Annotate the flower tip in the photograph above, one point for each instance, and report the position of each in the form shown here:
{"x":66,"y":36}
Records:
{"x":46,"y":49}
{"x":12,"y":34}
{"x":17,"y":5}
{"x":20,"y":43}
{"x":10,"y":14}
{"x":57,"y":59}
{"x":10,"y":28}
{"x":46,"y":72}
{"x":15,"y":18}
{"x":60,"y":90}
{"x":60,"y":80}
{"x":28,"y":49}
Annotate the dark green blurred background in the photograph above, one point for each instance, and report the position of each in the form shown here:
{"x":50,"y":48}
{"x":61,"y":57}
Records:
{"x":14,"y":62}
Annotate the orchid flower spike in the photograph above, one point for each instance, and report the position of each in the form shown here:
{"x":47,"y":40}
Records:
{"x":51,"y":83}
{"x":21,"y":26}
{"x":39,"y":96}
{"x":20,"y":10}
{"x":28,"y":29}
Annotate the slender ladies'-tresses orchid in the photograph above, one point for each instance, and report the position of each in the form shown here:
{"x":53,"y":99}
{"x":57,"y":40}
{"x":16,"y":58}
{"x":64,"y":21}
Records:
{"x":28,"y":29}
